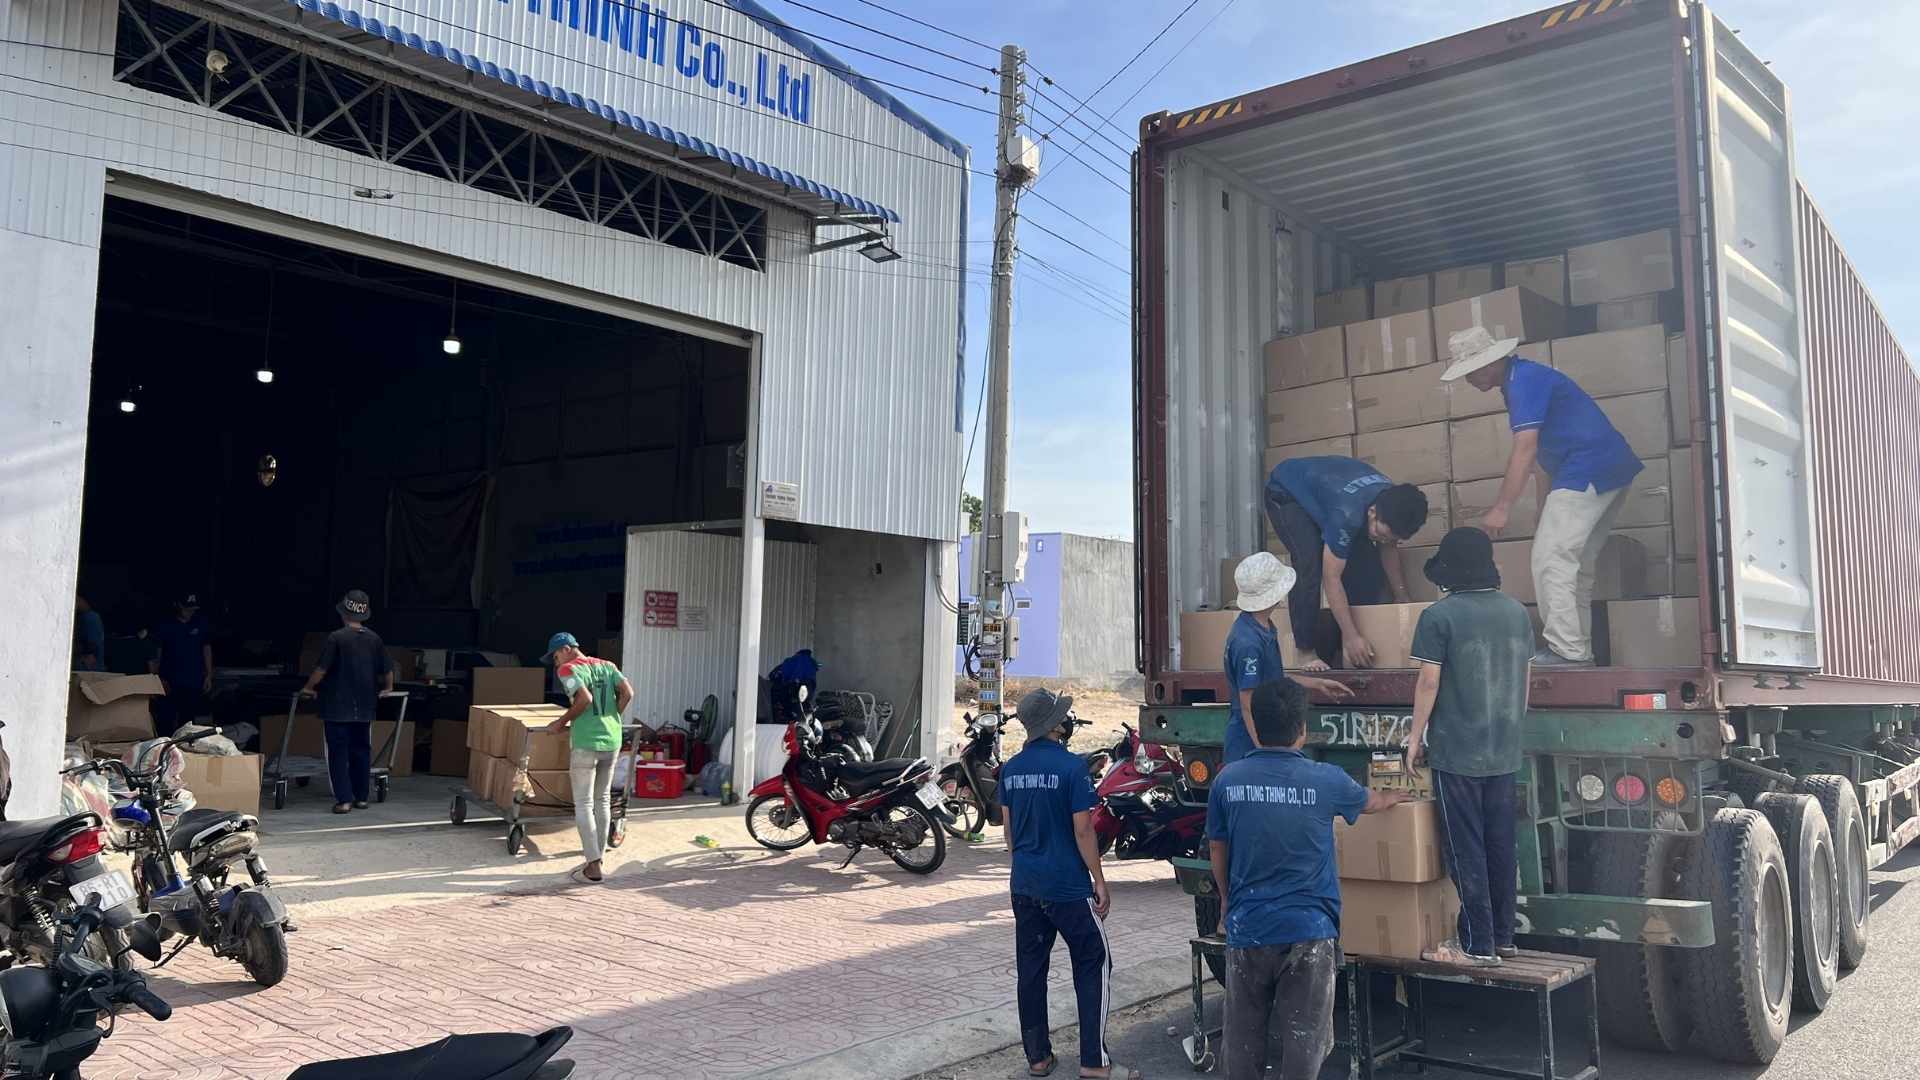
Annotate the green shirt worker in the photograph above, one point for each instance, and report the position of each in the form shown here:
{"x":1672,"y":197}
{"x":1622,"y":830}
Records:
{"x":597,"y":697}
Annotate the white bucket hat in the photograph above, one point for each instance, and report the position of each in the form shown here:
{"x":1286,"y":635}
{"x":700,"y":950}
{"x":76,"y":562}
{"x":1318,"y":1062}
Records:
{"x":1473,"y":349}
{"x":1262,"y":580}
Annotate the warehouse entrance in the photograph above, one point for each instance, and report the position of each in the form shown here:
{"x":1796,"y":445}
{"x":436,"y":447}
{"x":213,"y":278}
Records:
{"x":273,"y":422}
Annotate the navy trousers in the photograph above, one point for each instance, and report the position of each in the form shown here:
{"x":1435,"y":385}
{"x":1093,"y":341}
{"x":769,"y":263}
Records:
{"x":1035,"y":924}
{"x":1476,"y":838}
{"x":1365,"y":577}
{"x":350,"y":761}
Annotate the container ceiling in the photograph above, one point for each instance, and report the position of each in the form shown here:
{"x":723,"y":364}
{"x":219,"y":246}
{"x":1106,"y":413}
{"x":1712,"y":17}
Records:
{"x":1525,"y":157}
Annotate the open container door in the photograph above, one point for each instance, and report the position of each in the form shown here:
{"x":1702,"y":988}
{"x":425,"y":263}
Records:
{"x":1755,"y":356}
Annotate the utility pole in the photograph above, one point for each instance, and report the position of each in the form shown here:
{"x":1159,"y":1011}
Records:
{"x":1015,"y":161}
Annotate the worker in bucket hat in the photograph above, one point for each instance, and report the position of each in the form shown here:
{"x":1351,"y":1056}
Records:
{"x":1589,"y":466}
{"x":1253,"y":653}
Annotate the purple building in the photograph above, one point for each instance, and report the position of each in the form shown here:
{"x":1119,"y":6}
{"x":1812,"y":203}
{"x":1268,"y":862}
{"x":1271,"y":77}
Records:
{"x":1075,"y":608}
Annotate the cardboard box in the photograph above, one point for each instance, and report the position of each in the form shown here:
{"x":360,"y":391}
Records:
{"x":1462,"y":282}
{"x":1401,"y":844}
{"x":1546,"y":277}
{"x":1413,"y":567}
{"x":1402,"y":296}
{"x":1510,"y":313}
{"x":1414,"y":455}
{"x":1389,"y":629}
{"x":1390,"y":343}
{"x":1473,"y":498}
{"x":1649,"y":497}
{"x":223,"y":783}
{"x":1618,"y":269}
{"x":480,"y":773}
{"x":1396,"y":399}
{"x":1654,"y":309}
{"x":1309,"y":413}
{"x":106,"y":707}
{"x":1343,"y":306}
{"x":1396,"y":919}
{"x":1656,"y":550}
{"x":535,"y":789}
{"x":447,"y":747}
{"x":514,"y":731}
{"x":1305,"y":359}
{"x":1439,"y":516}
{"x":1203,"y":639}
{"x":1614,"y":363}
{"x":1686,"y":505}
{"x":1619,"y":573}
{"x":509,"y":686}
{"x":1680,"y":386}
{"x":1339,"y":446}
{"x":1658,"y":633}
{"x":1479,"y":447}
{"x":1641,"y":419}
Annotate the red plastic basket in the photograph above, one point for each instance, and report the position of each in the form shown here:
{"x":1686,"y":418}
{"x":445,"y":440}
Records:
{"x":659,"y":779}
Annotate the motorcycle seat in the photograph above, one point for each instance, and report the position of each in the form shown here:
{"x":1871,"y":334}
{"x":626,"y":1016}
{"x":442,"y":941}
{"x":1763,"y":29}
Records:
{"x":18,"y":836}
{"x":864,"y":776}
{"x":492,"y":1056}
{"x":188,"y":827}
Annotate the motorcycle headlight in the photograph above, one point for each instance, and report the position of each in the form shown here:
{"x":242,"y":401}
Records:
{"x":1158,"y":798}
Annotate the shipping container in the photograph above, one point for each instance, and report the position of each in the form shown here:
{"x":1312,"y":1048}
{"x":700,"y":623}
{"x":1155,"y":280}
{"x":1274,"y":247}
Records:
{"x":1632,"y":165}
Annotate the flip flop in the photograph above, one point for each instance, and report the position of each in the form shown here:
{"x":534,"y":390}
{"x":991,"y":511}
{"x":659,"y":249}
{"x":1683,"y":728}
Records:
{"x":1045,"y":1069}
{"x":1121,"y":1072}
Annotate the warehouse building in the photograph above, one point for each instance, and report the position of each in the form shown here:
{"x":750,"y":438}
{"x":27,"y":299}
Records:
{"x":519,"y":316}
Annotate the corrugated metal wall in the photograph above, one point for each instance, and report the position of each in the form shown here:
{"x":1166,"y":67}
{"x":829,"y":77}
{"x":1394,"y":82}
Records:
{"x":1866,"y":453}
{"x":674,"y":670}
{"x":859,"y":410}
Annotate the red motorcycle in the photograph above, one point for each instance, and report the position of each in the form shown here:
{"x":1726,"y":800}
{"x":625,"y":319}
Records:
{"x":824,"y":796}
{"x":1140,"y":814}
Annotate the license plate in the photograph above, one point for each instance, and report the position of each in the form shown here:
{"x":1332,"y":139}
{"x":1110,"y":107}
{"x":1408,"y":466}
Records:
{"x":931,"y":797}
{"x":109,"y":890}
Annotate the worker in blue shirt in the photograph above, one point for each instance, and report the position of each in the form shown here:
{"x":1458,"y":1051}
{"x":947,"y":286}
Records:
{"x":1333,"y":514}
{"x":1589,"y":466}
{"x":1253,"y":648}
{"x":184,"y":664}
{"x":1270,"y":839}
{"x":1046,"y":798}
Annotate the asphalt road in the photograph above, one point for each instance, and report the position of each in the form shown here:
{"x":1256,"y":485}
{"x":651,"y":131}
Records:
{"x":1870,"y":1031}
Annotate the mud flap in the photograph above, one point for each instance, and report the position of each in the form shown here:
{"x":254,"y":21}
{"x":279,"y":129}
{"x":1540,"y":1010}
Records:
{"x":254,"y":908}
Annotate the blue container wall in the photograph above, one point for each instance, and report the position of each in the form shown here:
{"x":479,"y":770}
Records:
{"x":1036,"y":603}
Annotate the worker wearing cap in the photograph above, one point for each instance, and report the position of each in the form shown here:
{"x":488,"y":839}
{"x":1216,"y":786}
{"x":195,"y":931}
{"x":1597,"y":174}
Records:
{"x":597,"y":697}
{"x":1473,"y":647}
{"x":1589,"y":466}
{"x":353,"y":668}
{"x":1253,"y":648}
{"x":1046,"y":804}
{"x":1333,"y":514}
{"x":184,"y":663}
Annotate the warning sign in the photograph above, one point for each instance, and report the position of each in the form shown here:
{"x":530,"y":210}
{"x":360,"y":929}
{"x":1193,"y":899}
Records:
{"x":661,"y":609}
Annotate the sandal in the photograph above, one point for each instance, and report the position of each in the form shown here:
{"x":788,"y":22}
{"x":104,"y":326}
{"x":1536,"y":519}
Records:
{"x":1118,"y":1072}
{"x":1044,"y":1068}
{"x":591,"y":871}
{"x":342,"y":808}
{"x":1450,"y":952}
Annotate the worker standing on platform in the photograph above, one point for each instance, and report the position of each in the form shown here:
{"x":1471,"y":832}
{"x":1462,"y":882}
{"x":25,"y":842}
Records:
{"x":1270,"y":838}
{"x":1253,"y":648}
{"x":1473,"y":648}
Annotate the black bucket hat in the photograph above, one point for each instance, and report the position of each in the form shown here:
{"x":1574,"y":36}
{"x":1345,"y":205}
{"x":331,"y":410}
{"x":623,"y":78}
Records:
{"x":1464,"y":562}
{"x":1043,"y":710}
{"x":355,"y":605}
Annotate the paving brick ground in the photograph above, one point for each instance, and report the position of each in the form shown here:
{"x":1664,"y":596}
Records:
{"x":720,"y":963}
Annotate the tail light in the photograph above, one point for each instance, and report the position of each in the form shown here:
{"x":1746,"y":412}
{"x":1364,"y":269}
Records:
{"x":1198,"y":773}
{"x":81,"y":846}
{"x":1629,"y":789}
{"x":1670,"y":791}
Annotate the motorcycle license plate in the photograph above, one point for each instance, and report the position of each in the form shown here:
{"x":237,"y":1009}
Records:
{"x":109,"y":890}
{"x":930,"y":797}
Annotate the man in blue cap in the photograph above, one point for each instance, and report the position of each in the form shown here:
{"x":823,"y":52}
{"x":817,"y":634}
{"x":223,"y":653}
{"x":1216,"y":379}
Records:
{"x":597,"y":697}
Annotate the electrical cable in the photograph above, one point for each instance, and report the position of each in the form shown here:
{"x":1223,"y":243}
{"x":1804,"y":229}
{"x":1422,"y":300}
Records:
{"x":1077,"y":100}
{"x":1124,"y":148}
{"x":928,"y":25}
{"x":1121,"y":304}
{"x":1082,"y":250}
{"x":1093,"y":306}
{"x":1143,"y":50}
{"x":1083,"y":143}
{"x":1176,"y":55}
{"x":858,"y":26}
{"x":1109,"y":237}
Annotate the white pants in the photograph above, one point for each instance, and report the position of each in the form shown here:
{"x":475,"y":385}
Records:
{"x":592,"y":772}
{"x":1573,"y":528}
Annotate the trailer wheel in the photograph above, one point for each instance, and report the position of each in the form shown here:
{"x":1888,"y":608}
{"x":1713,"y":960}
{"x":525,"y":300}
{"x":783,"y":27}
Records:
{"x":1802,"y":828}
{"x":1837,"y":799}
{"x":1742,"y":985}
{"x":1642,"y":989}
{"x":1206,"y":917}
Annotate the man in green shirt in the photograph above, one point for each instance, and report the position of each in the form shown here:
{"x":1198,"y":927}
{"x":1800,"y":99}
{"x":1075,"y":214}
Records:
{"x":1473,"y":648}
{"x":597,"y":697}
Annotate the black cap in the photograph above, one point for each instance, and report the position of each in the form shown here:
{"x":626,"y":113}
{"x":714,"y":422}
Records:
{"x":1464,"y":561}
{"x":355,"y":605}
{"x":188,"y":600}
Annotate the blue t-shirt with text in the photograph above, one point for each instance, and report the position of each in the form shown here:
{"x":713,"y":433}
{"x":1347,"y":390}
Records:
{"x":1335,"y":492}
{"x":1275,"y":810}
{"x":1579,"y":446}
{"x":1252,"y":657}
{"x":1042,"y":787}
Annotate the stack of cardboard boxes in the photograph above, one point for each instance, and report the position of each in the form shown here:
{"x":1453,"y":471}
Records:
{"x":499,"y":738}
{"x":1395,"y":896}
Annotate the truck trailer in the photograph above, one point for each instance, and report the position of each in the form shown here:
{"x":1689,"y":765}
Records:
{"x":1705,"y":826}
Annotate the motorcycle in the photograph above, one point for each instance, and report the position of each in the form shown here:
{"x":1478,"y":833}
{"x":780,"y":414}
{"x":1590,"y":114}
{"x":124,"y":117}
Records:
{"x":52,"y":866}
{"x":245,"y":920}
{"x":971,"y":782}
{"x":828,"y":798}
{"x":1140,"y":814}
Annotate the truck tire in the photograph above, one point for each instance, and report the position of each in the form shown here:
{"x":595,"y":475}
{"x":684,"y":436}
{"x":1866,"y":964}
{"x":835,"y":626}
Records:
{"x":1802,"y":828}
{"x":1849,"y":828}
{"x":1742,"y":985}
{"x":1206,"y":918}
{"x":1642,"y":990}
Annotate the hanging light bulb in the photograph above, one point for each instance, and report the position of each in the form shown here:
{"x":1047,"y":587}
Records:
{"x":264,"y":373}
{"x":127,"y":405}
{"x":128,"y":400}
{"x":451,"y":343}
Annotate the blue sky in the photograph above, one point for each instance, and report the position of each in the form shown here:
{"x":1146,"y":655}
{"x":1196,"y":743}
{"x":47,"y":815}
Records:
{"x":1853,"y":74}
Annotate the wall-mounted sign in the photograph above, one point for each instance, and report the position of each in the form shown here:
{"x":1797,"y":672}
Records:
{"x":780,"y":502}
{"x":693,"y":618}
{"x":661,"y":610}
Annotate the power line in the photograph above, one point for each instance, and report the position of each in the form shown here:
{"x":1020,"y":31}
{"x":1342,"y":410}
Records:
{"x":1176,"y":55}
{"x":1143,"y":51}
{"x":1078,"y":294}
{"x":1124,"y":148}
{"x":1082,"y":250}
{"x":1083,"y":144}
{"x":931,"y":26}
{"x":1101,"y":291}
{"x":1090,"y":226}
{"x":1077,"y":100}
{"x":861,"y":26}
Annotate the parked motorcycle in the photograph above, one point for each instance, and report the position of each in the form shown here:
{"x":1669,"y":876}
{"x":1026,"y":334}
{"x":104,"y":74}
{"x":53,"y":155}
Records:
{"x":52,"y":866}
{"x":243,"y":920}
{"x":971,"y":782}
{"x":829,"y":798}
{"x":1140,"y":814}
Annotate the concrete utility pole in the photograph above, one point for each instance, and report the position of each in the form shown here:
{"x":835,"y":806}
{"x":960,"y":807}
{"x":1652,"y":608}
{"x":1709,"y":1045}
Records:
{"x":1015,"y":157}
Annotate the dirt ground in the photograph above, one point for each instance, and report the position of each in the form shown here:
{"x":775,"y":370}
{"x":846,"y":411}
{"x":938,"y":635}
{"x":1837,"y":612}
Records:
{"x":1103,"y":711}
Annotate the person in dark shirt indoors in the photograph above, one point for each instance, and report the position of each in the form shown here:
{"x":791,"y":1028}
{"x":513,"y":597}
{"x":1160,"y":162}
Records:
{"x":1270,"y":838}
{"x":1473,"y":647}
{"x":1058,"y":889}
{"x":353,"y":669}
{"x":184,"y":664}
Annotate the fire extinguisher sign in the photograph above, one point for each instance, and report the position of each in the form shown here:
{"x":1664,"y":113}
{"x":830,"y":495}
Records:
{"x":661,"y":609}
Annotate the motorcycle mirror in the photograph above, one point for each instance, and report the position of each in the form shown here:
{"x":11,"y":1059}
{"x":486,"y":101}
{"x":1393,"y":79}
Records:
{"x":143,"y":937}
